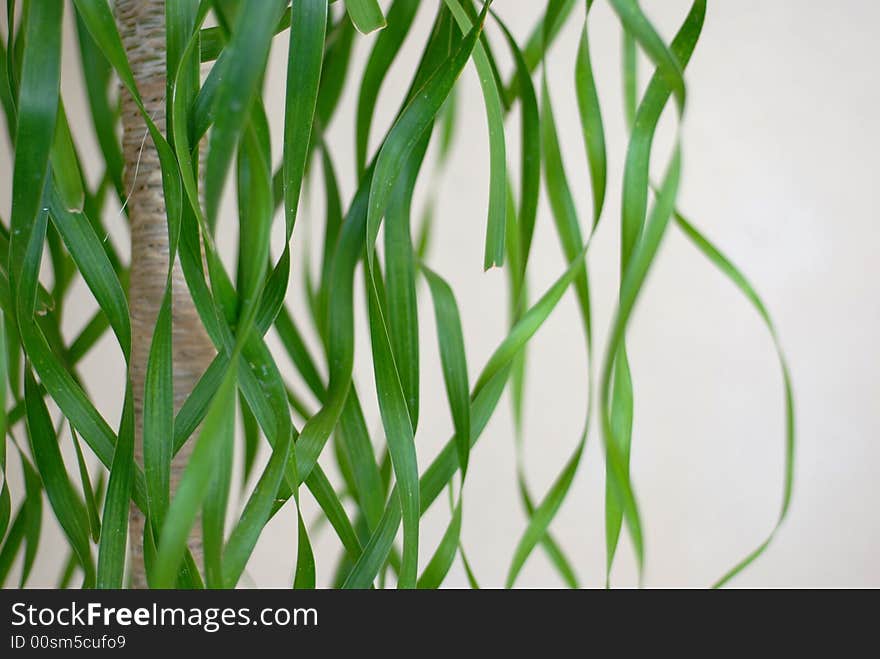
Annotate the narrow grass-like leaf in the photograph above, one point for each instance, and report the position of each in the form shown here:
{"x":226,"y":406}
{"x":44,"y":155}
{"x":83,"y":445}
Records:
{"x":305,"y":559}
{"x":668,"y":67}
{"x":291,"y":338}
{"x":388,"y":43}
{"x":12,"y":543}
{"x":452,"y":357}
{"x":67,"y":572}
{"x":630,"y":288}
{"x":530,"y":137}
{"x":494,"y":252}
{"x":408,"y":130}
{"x":94,"y":265}
{"x":5,"y":499}
{"x":355,"y":439}
{"x":528,"y":324}
{"x":65,"y":164}
{"x":158,"y":415}
{"x":398,"y":434}
{"x":400,"y":282}
{"x":37,"y":112}
{"x":337,"y":58}
{"x":438,"y":567}
{"x":257,"y":510}
{"x":305,"y":57}
{"x":242,"y":63}
{"x":431,"y":484}
{"x":455,"y":376}
{"x":214,"y":512}
{"x":726,"y":267}
{"x":96,"y":74}
{"x":634,"y":208}
{"x":540,"y":38}
{"x":66,"y":504}
{"x":365,"y":14}
{"x":212,"y":39}
{"x":484,"y":398}
{"x":251,"y":432}
{"x":552,"y":548}
{"x":622,"y":407}
{"x":629,"y":55}
{"x":195,"y":484}
{"x":542,"y":516}
{"x":88,"y":491}
{"x":114,"y":523}
{"x":568,"y":228}
{"x":332,"y":224}
{"x":339,"y":343}
{"x":591,"y":119}
{"x":65,"y":390}
{"x":6,"y":101}
{"x":32,"y":519}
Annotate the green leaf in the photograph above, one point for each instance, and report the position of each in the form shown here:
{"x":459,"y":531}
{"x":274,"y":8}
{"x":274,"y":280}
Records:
{"x":94,"y":265}
{"x":251,"y":434}
{"x":437,"y":568}
{"x":551,"y":547}
{"x":32,"y":517}
{"x":452,"y":357}
{"x":530,"y":171}
{"x":5,"y":500}
{"x":398,"y":434}
{"x":12,"y":543}
{"x":408,"y":129}
{"x":242,"y":63}
{"x":114,"y":523}
{"x":257,"y":510}
{"x":634,"y":208}
{"x":305,"y":559}
{"x":212,"y":39}
{"x":400,"y":282}
{"x":484,"y":398}
{"x":591,"y":120}
{"x":355,"y":439}
{"x":540,"y":39}
{"x":96,"y":75}
{"x":158,"y":415}
{"x":726,"y":267}
{"x":629,"y":55}
{"x":65,"y":164}
{"x":630,"y":288}
{"x":494,"y":253}
{"x":365,"y":14}
{"x":542,"y":516}
{"x":194,"y":484}
{"x":388,"y":43}
{"x":88,"y":492}
{"x":305,"y":57}
{"x":37,"y":112}
{"x":337,"y":58}
{"x":668,"y":66}
{"x":66,"y":504}
{"x":214,"y":513}
{"x":568,"y":229}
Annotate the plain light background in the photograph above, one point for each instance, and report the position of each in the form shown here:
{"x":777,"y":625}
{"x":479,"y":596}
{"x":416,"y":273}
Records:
{"x":780,"y":142}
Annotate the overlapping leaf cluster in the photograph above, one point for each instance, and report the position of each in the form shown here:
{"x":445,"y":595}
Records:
{"x":55,"y":211}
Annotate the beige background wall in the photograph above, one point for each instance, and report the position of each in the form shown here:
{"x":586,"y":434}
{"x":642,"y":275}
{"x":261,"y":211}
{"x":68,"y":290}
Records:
{"x":780,"y":147}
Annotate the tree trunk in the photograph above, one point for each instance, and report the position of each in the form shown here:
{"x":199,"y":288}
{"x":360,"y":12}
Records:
{"x":142,"y":27}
